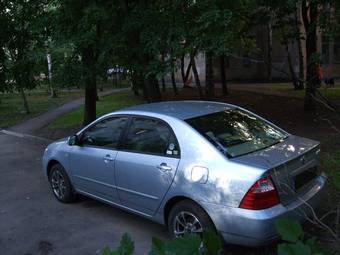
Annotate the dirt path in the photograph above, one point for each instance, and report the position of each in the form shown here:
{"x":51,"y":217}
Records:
{"x":40,"y":121}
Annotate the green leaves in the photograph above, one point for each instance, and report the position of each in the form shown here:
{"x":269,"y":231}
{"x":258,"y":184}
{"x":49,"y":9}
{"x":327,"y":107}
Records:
{"x":289,"y":230}
{"x":158,"y":247}
{"x":297,"y":248}
{"x":126,"y":247}
{"x":212,"y":242}
{"x":187,"y":245}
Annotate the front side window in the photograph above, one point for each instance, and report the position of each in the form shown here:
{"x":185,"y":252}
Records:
{"x":236,"y":132}
{"x":150,"y":136}
{"x":105,"y":133}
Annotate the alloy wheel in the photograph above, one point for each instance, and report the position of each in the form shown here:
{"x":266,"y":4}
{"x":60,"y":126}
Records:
{"x":186,"y":222}
{"x":58,"y":184}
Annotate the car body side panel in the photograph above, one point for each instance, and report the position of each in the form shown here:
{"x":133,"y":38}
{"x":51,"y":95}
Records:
{"x":93,"y":171}
{"x":227,"y":181}
{"x":257,"y":227}
{"x":58,"y":151}
{"x":140,"y":184}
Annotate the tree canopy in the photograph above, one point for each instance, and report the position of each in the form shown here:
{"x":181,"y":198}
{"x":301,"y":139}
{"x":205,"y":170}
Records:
{"x":149,"y":38}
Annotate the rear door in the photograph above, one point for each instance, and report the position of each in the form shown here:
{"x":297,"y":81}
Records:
{"x":146,"y":164}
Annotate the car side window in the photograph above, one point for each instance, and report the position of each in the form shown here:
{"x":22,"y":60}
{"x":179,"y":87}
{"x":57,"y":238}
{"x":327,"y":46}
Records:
{"x":105,"y":133}
{"x":151,"y":136}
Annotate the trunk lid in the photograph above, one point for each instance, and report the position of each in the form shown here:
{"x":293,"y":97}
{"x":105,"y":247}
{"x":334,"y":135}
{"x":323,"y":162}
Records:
{"x":292,"y":164}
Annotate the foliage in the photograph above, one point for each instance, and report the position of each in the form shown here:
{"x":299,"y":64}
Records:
{"x":104,"y":105}
{"x":189,"y":244}
{"x":126,"y":247}
{"x":295,"y":239}
{"x":20,"y":41}
{"x":331,"y":162}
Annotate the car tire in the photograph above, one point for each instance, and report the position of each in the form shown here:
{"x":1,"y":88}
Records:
{"x":194,"y":216}
{"x":61,"y":184}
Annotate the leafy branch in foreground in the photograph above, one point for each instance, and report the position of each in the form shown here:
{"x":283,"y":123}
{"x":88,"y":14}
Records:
{"x":189,"y":244}
{"x":295,"y":242}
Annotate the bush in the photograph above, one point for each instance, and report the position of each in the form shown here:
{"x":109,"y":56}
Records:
{"x":295,"y":242}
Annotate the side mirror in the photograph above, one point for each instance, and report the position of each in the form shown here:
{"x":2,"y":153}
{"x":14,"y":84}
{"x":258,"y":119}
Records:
{"x":73,"y":140}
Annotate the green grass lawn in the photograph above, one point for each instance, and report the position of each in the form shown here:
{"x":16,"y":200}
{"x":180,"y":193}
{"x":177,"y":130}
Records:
{"x":287,"y":88}
{"x":107,"y":104}
{"x":12,"y":110}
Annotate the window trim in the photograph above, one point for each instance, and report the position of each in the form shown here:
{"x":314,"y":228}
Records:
{"x":123,"y":138}
{"x":81,"y":133}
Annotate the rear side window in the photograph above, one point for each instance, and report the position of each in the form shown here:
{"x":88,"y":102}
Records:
{"x":105,"y":133}
{"x":151,"y":136}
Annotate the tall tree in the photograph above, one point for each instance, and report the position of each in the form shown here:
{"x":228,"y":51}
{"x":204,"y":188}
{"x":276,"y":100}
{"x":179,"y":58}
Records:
{"x":24,"y":27}
{"x":300,"y":41}
{"x":86,"y":24}
{"x":223,"y":75}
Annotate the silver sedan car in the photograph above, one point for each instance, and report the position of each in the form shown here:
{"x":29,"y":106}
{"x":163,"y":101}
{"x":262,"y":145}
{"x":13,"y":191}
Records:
{"x":192,"y":166}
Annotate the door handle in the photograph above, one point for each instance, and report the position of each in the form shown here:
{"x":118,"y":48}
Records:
{"x":107,"y":158}
{"x":164,"y":167}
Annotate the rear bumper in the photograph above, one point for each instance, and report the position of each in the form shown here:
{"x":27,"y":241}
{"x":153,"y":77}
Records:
{"x":257,"y":227}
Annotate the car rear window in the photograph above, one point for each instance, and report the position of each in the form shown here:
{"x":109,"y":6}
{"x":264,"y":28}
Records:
{"x":236,"y":132}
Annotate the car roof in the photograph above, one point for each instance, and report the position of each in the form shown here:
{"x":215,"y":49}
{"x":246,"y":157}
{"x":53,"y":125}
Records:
{"x":180,"y":109}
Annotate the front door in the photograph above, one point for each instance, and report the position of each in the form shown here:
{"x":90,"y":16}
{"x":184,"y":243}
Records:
{"x":93,"y":160}
{"x":146,"y":164}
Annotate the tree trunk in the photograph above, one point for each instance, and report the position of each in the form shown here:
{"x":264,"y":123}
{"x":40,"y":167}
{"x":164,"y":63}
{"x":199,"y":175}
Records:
{"x":163,"y":84}
{"x":209,"y":84}
{"x":24,"y":99}
{"x":135,"y":84}
{"x":187,"y":72}
{"x":49,"y":71}
{"x":270,"y":51}
{"x":152,"y":91}
{"x":2,"y":69}
{"x":291,"y":67}
{"x":196,"y":77}
{"x":163,"y":80}
{"x":223,"y":76}
{"x":90,"y":85}
{"x":182,"y":69}
{"x":310,"y":15}
{"x":301,"y":57}
{"x":173,"y":82}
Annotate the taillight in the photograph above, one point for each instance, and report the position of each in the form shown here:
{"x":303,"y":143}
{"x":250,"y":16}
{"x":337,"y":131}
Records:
{"x":261,"y":195}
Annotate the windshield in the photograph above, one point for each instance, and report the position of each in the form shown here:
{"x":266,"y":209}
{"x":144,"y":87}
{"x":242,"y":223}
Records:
{"x":236,"y":132}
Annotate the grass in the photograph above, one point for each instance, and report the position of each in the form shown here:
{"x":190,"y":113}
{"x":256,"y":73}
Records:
{"x":331,"y":163}
{"x":12,"y":110}
{"x":287,"y":88}
{"x":107,"y":104}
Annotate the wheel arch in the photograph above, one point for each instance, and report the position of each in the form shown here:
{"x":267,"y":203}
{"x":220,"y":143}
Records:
{"x":50,"y":164}
{"x":175,"y":200}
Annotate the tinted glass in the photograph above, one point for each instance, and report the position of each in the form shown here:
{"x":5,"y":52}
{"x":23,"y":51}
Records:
{"x":236,"y":132}
{"x":151,"y":136}
{"x":105,"y":133}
